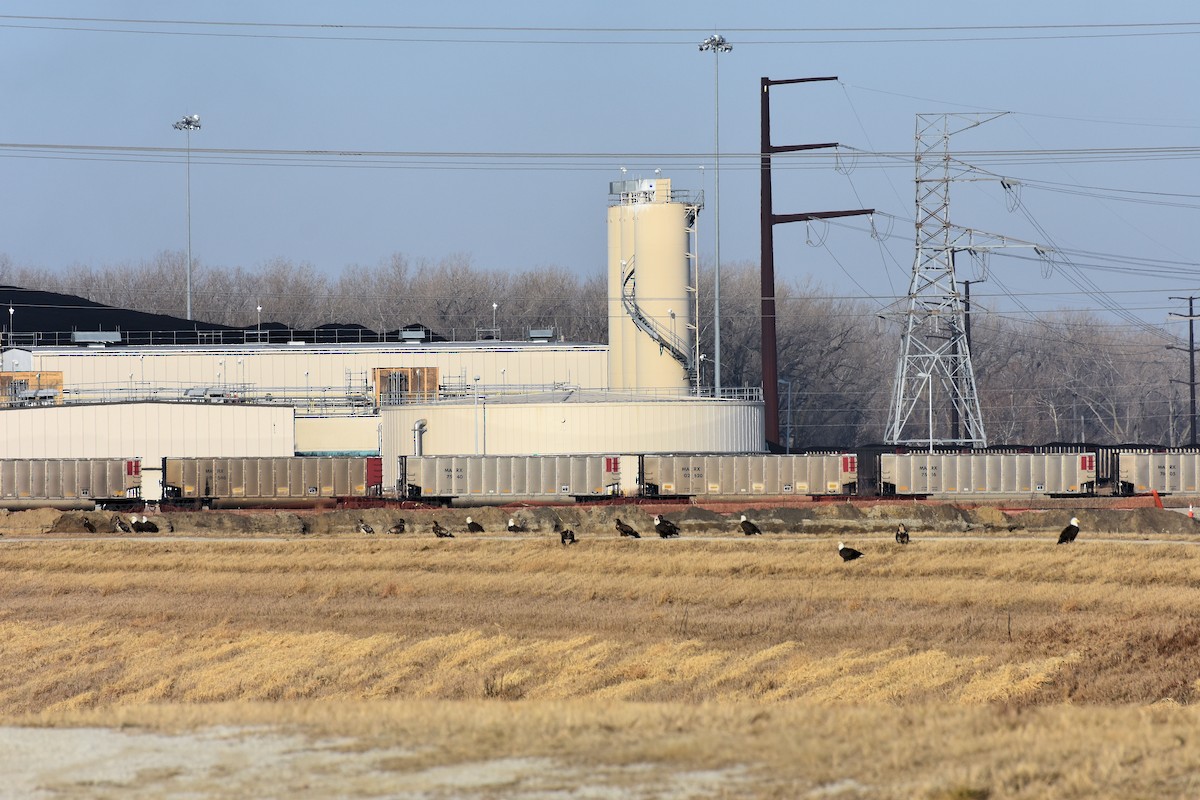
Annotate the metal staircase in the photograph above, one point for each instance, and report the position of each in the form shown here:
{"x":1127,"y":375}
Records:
{"x":675,"y":346}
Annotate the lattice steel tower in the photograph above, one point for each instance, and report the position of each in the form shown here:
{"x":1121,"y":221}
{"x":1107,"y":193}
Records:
{"x":935,"y":360}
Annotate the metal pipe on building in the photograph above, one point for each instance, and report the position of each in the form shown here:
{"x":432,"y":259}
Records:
{"x":418,"y":431}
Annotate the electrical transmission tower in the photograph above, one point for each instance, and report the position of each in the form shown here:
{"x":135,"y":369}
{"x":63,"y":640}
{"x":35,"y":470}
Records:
{"x":935,"y":358}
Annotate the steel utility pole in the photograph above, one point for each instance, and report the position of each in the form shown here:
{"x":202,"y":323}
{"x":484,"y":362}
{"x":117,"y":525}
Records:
{"x":934,"y":351}
{"x":1191,"y":318}
{"x":768,"y":220}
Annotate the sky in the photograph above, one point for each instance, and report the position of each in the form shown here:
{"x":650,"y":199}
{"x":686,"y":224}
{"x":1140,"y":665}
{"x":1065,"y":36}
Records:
{"x":339,"y":134}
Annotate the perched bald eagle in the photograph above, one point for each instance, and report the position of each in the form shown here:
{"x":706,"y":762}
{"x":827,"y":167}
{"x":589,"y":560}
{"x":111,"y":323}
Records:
{"x":1070,"y":532}
{"x":473,"y":526}
{"x":363,"y":527}
{"x":148,"y":526}
{"x":901,"y":534}
{"x":397,"y":529}
{"x":441,"y":532}
{"x":666,"y":529}
{"x":135,"y":524}
{"x":565,"y":534}
{"x":848,"y":553}
{"x":627,"y":530}
{"x":88,"y":525}
{"x":513,"y":527}
{"x":120,"y":524}
{"x":748,"y":527}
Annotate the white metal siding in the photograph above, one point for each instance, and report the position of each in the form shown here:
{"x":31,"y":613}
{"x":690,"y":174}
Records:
{"x":149,"y":431}
{"x":312,"y":368}
{"x":568,"y":428}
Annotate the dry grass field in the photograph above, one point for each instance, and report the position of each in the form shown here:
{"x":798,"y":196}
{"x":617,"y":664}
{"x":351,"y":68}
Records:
{"x":337,"y":665}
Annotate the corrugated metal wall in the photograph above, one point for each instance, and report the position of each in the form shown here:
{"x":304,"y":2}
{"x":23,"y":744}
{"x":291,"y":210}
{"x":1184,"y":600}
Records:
{"x":689,"y":426}
{"x":338,"y":436}
{"x":149,"y":431}
{"x":498,"y":364}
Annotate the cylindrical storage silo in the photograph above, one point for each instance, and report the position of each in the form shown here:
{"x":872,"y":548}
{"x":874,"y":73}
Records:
{"x":650,"y":301}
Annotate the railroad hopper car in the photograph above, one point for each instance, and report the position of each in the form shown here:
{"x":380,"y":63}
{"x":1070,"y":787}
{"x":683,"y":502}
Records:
{"x":69,"y":483}
{"x":987,"y":473}
{"x":295,"y":481}
{"x":442,"y":479}
{"x":751,"y":474}
{"x":1164,"y":473}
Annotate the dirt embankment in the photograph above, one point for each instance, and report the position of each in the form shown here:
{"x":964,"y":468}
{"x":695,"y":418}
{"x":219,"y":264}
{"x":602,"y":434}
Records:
{"x":819,"y":518}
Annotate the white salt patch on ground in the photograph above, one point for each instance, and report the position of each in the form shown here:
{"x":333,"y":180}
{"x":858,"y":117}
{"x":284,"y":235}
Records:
{"x":101,"y":763}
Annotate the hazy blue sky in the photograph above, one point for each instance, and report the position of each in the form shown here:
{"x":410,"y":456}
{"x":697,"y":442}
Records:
{"x":621,"y":84}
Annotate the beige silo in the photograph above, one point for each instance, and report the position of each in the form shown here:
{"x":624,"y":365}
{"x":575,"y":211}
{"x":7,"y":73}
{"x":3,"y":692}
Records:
{"x":651,"y":286}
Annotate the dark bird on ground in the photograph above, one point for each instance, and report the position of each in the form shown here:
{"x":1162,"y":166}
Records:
{"x":136,"y":524}
{"x":363,"y":527}
{"x":397,"y":529}
{"x":88,"y":525}
{"x":666,"y":529}
{"x":1070,"y":532}
{"x":749,"y":528}
{"x":473,"y":526}
{"x":901,"y":534}
{"x":148,"y":526}
{"x":441,"y":532}
{"x":627,"y":530}
{"x":513,"y":527}
{"x":848,"y":553}
{"x":565,"y":534}
{"x":120,"y":524}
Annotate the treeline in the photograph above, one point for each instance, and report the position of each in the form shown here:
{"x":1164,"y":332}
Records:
{"x":1070,"y":376}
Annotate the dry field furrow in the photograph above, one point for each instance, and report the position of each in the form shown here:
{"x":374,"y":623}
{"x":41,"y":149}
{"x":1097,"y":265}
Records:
{"x":918,"y":671}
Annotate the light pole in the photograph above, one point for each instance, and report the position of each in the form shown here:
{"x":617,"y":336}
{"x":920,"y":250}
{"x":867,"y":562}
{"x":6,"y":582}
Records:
{"x":10,"y":325}
{"x":188,"y":124}
{"x":717,"y":44}
{"x":258,"y":309}
{"x":494,"y":307}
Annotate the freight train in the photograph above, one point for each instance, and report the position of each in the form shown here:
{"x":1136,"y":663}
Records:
{"x":69,"y":482}
{"x":190,"y":482}
{"x":443,"y":479}
{"x":306,"y":481}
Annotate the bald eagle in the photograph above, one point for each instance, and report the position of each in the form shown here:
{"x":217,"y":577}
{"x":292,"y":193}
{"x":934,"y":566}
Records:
{"x":626,"y":529}
{"x":1070,"y":532}
{"x":88,"y":525}
{"x":749,"y":528}
{"x":848,"y":553}
{"x":901,"y":534}
{"x":363,"y":527}
{"x":513,"y":527}
{"x":666,"y":529}
{"x":566,"y":535}
{"x":397,"y":529}
{"x":473,"y":526}
{"x":441,"y":532}
{"x":148,"y":526}
{"x":120,"y":524}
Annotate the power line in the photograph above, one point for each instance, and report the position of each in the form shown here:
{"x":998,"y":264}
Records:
{"x":533,"y":35}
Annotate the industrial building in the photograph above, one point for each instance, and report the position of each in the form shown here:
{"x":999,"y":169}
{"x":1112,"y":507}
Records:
{"x":235,"y":393}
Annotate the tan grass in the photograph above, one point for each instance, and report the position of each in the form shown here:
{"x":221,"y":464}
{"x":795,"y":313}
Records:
{"x":938,"y":668}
